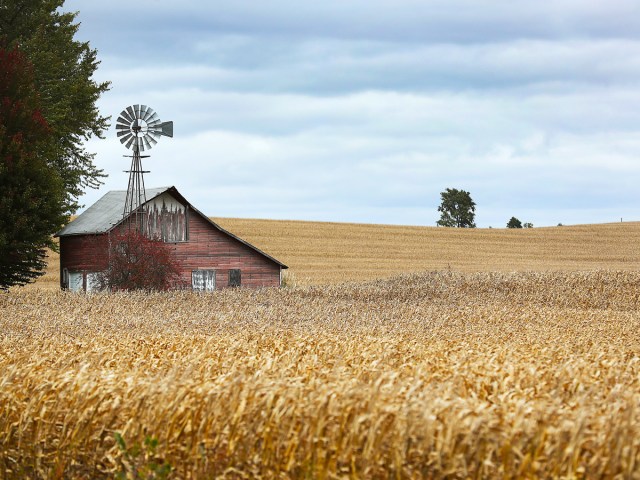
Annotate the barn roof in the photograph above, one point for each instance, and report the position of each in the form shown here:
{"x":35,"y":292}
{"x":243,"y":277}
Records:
{"x":106,"y":213}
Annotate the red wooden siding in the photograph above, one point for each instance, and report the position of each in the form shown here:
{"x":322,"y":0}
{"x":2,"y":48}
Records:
{"x":84,"y":252}
{"x":207,"y":248}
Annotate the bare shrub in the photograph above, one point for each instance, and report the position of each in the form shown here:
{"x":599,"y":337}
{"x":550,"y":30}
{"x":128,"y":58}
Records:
{"x":138,"y":263}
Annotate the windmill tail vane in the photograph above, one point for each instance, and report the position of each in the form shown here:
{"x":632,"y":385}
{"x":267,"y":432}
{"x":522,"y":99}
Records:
{"x":138,"y":128}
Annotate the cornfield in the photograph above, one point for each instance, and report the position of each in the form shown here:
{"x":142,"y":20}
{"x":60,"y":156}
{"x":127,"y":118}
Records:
{"x":428,"y":375}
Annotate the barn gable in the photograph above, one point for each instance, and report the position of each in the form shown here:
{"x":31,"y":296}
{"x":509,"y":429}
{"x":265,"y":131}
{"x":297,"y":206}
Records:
{"x":210,"y":257}
{"x":165,"y":218}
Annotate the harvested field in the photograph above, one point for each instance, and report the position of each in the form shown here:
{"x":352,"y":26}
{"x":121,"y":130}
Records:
{"x":336,"y":252}
{"x":431,"y":375}
{"x":326,"y":253}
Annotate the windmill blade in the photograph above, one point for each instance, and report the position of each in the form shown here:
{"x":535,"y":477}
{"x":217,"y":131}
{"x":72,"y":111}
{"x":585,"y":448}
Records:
{"x":121,"y":126}
{"x":155,"y":131}
{"x":132,"y":113}
{"x":131,"y":140}
{"x":146,"y":143}
{"x":153,"y":120}
{"x":123,"y":132}
{"x":140,"y":144}
{"x":143,"y":112}
{"x":124,"y":123}
{"x":136,"y":110}
{"x":146,"y":112}
{"x":125,"y":115}
{"x":126,"y":137}
{"x":149,"y":138}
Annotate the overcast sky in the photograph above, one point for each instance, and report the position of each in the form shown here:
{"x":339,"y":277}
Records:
{"x":365,"y":110}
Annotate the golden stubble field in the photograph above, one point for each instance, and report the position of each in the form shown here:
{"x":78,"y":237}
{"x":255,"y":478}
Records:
{"x":337,"y":252}
{"x":441,"y":374}
{"x":325,"y":253}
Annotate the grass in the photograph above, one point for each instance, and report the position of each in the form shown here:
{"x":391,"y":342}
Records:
{"x":469,"y":372}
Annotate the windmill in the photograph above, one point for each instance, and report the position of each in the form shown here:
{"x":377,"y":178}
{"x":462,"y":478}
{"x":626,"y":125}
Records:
{"x":139,"y":128}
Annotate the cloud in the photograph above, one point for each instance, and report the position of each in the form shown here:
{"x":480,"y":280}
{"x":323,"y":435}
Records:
{"x":330,"y":67}
{"x":459,"y":21}
{"x":361,"y":111}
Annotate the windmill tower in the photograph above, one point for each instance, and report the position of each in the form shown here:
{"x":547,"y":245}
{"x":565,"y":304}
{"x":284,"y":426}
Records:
{"x":139,"y":128}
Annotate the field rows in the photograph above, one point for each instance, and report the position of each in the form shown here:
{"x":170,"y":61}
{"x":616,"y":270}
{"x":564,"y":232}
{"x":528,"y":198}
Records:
{"x":431,"y":375}
{"x":337,"y":252}
{"x":325,"y":253}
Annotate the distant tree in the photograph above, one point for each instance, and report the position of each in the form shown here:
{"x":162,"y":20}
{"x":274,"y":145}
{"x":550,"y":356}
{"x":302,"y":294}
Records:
{"x":527,"y":225}
{"x":31,"y":189}
{"x":139,"y":263}
{"x":457,"y":209}
{"x":514,"y":223}
{"x":63,"y":73}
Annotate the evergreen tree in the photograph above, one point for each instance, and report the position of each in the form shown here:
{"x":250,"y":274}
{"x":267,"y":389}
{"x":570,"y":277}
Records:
{"x":32,"y":192}
{"x":48,"y":110}
{"x":63,"y":71}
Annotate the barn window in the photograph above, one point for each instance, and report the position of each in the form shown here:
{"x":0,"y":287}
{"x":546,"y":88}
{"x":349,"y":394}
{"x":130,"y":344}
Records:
{"x":65,"y":278}
{"x":93,"y":284}
{"x":76,"y":281}
{"x":203,"y":280}
{"x":234,"y":277}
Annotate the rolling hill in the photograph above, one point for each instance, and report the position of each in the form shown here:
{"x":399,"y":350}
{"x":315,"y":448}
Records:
{"x":324,"y":253}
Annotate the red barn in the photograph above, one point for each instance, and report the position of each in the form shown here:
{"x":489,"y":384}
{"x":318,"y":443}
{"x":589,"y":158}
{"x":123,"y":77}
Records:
{"x":210,"y":257}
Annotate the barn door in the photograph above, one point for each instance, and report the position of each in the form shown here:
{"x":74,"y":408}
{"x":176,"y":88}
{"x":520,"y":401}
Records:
{"x":203,"y":280}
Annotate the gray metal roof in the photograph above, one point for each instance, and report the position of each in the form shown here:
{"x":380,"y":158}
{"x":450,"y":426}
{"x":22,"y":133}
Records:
{"x":106,"y":213}
{"x":103,"y":215}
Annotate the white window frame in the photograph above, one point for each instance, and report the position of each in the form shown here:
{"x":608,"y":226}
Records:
{"x":92,"y":282}
{"x":203,"y":280}
{"x":76,"y":281}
